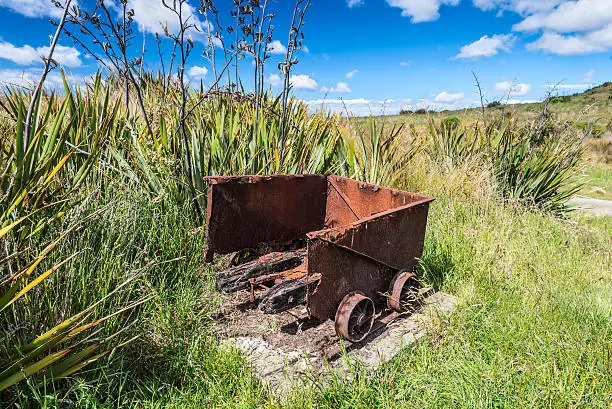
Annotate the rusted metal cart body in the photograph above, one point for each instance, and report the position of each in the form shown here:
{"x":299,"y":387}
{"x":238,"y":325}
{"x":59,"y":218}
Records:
{"x":358,"y":236}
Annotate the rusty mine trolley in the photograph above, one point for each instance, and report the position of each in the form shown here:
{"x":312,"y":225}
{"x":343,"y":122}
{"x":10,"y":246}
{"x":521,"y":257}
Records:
{"x":333,"y":243}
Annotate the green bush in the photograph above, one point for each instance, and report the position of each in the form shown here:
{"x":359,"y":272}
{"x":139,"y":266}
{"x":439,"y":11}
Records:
{"x":537,"y":170}
{"x":560,"y":99}
{"x":451,"y":122}
{"x":594,"y":129}
{"x":535,"y":165}
{"x":450,"y":146}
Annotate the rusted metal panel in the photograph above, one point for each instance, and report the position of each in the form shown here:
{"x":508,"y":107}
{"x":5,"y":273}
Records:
{"x":393,"y":237}
{"x":364,"y":254}
{"x":342,"y":271}
{"x":338,"y":210}
{"x":350,"y":200}
{"x":246,"y":211}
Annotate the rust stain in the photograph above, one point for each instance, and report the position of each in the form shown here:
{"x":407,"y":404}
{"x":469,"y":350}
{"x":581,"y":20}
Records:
{"x":245,"y":211}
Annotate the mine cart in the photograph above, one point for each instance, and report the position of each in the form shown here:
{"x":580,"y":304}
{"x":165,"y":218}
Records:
{"x":337,"y":245}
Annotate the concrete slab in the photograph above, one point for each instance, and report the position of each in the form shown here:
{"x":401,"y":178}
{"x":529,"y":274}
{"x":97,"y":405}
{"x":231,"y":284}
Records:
{"x":283,"y":368}
{"x":597,"y":207}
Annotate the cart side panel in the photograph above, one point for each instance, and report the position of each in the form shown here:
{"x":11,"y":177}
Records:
{"x":394,"y":238}
{"x":337,"y":211}
{"x":342,"y":271}
{"x":364,"y":255}
{"x":349,"y":200}
{"x":244,"y":212}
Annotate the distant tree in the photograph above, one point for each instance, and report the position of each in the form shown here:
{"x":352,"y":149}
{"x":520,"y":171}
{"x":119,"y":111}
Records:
{"x":494,"y":104}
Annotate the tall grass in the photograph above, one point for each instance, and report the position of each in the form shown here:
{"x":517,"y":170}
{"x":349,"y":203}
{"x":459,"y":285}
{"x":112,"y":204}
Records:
{"x":536,"y":164}
{"x":539,"y":172}
{"x":39,"y":185}
{"x":132,"y":196}
{"x":532,"y":328}
{"x":371,"y":153}
{"x":450,"y":144}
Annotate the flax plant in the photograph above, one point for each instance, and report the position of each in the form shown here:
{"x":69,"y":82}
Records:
{"x":40,"y":183}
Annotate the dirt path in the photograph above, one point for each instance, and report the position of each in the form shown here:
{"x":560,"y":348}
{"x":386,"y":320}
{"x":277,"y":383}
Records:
{"x":596,"y":206}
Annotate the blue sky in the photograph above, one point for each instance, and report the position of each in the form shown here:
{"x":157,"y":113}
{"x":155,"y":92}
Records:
{"x":377,"y":55}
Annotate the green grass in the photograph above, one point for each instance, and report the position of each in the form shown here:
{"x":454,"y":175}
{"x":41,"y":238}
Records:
{"x":532,"y":327}
{"x":533,"y":324}
{"x":599,"y":181}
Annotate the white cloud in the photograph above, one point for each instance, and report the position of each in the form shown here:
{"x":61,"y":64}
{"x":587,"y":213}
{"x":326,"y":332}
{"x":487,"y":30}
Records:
{"x":354,"y":3}
{"x":33,"y":8}
{"x":196,"y":72}
{"x":301,"y":81}
{"x":593,"y":42}
{"x":519,"y":101}
{"x":421,"y":10}
{"x":151,"y":16}
{"x":522,"y":7}
{"x":404,"y":63}
{"x":351,"y":74}
{"x":487,"y":46}
{"x":275,"y":80}
{"x":569,"y":27}
{"x":445,"y":97}
{"x":28,"y":55}
{"x":512,"y":89}
{"x":570,"y":16}
{"x":340,"y":88}
{"x":363,"y":107}
{"x":68,"y":56}
{"x":28,"y":78}
{"x":341,"y":101}
{"x":359,"y":106}
{"x":276,"y":47}
{"x":22,"y":78}
{"x":25,"y":55}
{"x":304,"y":82}
{"x":588,"y":76}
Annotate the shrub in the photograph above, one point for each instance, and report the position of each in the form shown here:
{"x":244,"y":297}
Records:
{"x":375,"y":155}
{"x":560,"y":99}
{"x":533,"y":168}
{"x":594,"y":129}
{"x":451,"y":122}
{"x":494,"y":104}
{"x":449,"y":146}
{"x":40,"y":185}
{"x":535,"y":165}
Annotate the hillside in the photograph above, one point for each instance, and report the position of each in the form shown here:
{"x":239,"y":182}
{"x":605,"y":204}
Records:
{"x":595,"y":102}
{"x":590,"y":105}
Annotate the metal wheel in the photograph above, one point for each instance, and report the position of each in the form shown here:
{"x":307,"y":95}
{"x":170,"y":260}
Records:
{"x":355,"y":316}
{"x":403,"y":289}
